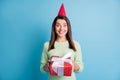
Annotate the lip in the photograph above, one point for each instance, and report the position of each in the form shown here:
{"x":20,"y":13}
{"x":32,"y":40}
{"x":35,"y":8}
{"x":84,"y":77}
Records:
{"x":61,"y":32}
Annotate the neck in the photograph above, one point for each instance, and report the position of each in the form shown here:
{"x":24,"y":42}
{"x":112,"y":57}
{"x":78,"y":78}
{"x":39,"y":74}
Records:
{"x":61,"y":39}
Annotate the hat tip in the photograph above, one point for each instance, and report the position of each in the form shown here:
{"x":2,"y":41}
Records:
{"x":62,"y":11}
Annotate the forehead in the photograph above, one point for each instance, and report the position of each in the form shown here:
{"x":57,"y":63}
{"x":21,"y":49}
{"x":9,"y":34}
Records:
{"x":62,"y":21}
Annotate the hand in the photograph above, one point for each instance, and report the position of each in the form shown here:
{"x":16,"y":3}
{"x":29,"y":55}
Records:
{"x":76,"y":67}
{"x":46,"y":67}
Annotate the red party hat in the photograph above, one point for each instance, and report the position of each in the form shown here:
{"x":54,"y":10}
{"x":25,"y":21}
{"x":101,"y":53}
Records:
{"x":62,"y":11}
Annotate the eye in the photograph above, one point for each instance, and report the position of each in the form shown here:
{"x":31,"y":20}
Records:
{"x":57,"y":25}
{"x":65,"y":25}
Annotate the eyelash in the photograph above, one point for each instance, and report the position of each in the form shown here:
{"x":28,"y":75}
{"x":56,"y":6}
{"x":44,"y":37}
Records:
{"x":59,"y":25}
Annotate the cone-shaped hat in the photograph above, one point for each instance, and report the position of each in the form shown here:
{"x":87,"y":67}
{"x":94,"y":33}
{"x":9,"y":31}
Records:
{"x":62,"y":11}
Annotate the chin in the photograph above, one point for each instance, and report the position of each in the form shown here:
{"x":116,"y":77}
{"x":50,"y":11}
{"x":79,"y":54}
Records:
{"x":61,"y":36}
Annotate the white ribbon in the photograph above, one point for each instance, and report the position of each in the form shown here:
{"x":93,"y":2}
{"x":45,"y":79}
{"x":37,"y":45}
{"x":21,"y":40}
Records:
{"x":58,"y":63}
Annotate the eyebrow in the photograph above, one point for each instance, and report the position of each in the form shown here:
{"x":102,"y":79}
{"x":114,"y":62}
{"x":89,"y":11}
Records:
{"x":59,"y":23}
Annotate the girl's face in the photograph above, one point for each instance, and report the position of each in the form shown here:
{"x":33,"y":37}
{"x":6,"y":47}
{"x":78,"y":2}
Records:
{"x":61,"y":28}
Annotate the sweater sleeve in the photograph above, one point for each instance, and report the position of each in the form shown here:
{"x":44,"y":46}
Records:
{"x":44,"y":58}
{"x":78,"y":57}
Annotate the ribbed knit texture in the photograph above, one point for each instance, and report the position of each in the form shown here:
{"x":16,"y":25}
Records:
{"x":61,"y":48}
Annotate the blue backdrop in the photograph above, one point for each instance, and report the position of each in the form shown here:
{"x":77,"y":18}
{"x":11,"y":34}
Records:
{"x":26,"y":24}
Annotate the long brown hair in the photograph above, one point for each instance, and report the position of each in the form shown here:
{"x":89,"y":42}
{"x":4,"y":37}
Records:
{"x":68,"y":35}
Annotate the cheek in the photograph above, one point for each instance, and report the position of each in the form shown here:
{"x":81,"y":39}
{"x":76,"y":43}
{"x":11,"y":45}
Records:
{"x":66,"y":29}
{"x":56,"y":29}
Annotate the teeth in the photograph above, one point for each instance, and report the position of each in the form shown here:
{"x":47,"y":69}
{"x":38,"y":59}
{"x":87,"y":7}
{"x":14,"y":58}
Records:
{"x":61,"y":32}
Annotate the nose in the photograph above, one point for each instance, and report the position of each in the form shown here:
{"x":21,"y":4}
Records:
{"x":61,"y":28}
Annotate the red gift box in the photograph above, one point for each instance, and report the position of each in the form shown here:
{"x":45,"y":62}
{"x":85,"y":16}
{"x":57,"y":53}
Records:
{"x":65,"y":70}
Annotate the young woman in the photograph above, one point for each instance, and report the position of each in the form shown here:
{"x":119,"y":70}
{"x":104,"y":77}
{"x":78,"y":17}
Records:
{"x":61,"y":42}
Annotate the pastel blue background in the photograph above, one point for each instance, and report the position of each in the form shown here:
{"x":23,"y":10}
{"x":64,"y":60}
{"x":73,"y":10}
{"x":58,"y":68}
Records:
{"x":26,"y":24}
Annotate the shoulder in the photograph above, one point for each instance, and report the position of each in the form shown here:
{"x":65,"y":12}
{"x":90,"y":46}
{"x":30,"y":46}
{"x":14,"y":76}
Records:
{"x":46,"y":44}
{"x":76,"y":43}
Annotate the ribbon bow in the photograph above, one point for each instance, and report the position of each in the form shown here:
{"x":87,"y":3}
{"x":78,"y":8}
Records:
{"x":58,"y":63}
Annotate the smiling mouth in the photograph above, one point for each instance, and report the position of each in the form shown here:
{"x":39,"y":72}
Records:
{"x":61,"y":32}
